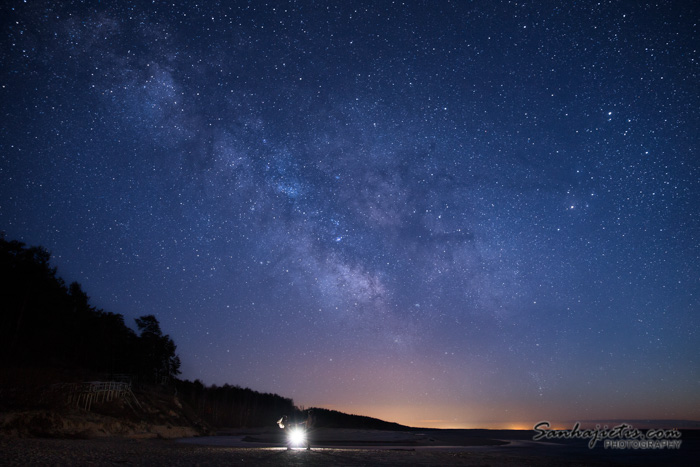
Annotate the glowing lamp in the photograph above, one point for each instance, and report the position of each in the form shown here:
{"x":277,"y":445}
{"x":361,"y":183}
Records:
{"x":297,"y":436}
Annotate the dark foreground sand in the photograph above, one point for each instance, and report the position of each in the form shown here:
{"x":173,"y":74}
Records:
{"x":21,"y":452}
{"x":159,"y":452}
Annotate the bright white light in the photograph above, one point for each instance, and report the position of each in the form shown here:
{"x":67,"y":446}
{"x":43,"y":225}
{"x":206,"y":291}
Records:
{"x":297,"y":437}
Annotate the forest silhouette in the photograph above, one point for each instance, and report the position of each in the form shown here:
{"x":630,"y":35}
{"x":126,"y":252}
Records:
{"x":48,"y":328}
{"x":46,"y":323}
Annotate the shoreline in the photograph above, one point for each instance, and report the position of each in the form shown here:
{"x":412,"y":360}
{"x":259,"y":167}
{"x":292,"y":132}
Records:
{"x":154,"y":452}
{"x":398,"y":449}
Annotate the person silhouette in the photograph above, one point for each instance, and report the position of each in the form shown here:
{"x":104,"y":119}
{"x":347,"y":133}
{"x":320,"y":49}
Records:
{"x":283,"y":423}
{"x":308,"y":425}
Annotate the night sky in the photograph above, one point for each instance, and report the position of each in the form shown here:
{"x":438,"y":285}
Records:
{"x":439,"y":213}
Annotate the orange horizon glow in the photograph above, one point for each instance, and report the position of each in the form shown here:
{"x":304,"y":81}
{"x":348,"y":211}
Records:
{"x":414,"y":418}
{"x":410,"y":417}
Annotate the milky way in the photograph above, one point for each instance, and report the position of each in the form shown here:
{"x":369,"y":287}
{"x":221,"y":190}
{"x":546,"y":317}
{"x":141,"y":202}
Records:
{"x":437,"y":213}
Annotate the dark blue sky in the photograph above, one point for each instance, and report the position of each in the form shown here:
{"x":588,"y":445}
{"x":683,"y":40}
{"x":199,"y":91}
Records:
{"x":438,"y":213}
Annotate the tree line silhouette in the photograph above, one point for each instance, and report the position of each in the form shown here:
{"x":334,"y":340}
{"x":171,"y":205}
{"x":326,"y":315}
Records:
{"x":45,"y":323}
{"x":48,"y":325}
{"x":234,"y":406}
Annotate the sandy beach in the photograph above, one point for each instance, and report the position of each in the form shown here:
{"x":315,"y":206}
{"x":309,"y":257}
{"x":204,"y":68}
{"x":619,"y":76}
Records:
{"x":389,"y":448}
{"x":22,"y":452}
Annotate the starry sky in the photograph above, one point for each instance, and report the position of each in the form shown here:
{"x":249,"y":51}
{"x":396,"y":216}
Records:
{"x":439,"y":213}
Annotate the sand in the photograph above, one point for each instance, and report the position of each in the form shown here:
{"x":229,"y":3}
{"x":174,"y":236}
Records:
{"x":340,"y":448}
{"x":22,"y":452}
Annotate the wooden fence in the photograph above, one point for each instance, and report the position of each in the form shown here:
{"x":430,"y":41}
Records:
{"x":85,"y":394}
